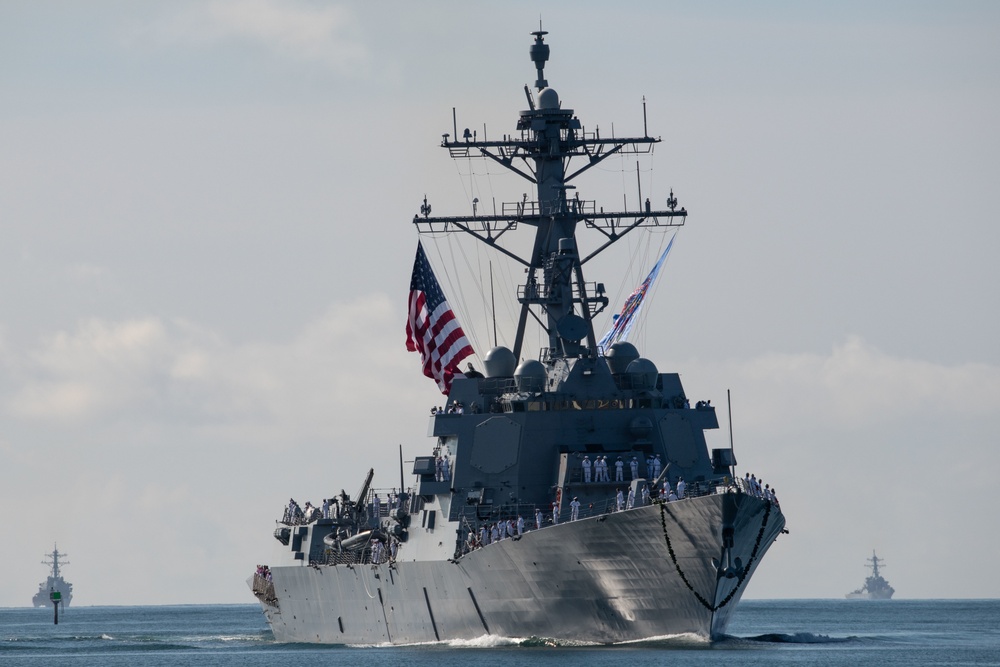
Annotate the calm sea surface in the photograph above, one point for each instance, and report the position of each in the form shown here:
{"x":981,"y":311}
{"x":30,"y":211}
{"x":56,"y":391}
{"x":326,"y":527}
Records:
{"x":773,"y":632}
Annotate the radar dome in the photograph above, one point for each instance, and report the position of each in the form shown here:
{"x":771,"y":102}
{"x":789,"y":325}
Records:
{"x":620,"y":356}
{"x":530,"y":376}
{"x":548,"y":99}
{"x":499,"y":363}
{"x":643,"y":372}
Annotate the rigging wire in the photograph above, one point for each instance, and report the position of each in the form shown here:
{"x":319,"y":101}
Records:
{"x":639,"y":252}
{"x":454,"y":287}
{"x":642,"y":257}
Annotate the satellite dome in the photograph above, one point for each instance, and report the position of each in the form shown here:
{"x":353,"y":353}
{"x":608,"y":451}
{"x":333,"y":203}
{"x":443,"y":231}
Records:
{"x":643,"y":372}
{"x":499,"y":363}
{"x":620,"y":356}
{"x":530,"y":376}
{"x":548,"y":99}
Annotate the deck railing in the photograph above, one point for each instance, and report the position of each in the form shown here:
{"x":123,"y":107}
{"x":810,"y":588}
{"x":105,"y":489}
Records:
{"x":487,"y":515}
{"x":263,"y":588}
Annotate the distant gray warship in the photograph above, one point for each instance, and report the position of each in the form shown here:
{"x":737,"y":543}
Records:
{"x":569,"y":497}
{"x":875,"y":588}
{"x":54,"y":582}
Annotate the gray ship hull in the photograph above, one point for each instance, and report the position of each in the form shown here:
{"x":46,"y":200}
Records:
{"x":606,"y":579}
{"x":41,"y":598}
{"x":858,"y":595}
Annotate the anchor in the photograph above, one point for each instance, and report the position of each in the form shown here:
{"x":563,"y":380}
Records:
{"x":727,"y":566}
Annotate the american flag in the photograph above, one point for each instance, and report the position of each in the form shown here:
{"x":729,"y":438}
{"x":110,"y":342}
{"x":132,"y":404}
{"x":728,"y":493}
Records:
{"x":622,"y":323}
{"x":431,"y":327}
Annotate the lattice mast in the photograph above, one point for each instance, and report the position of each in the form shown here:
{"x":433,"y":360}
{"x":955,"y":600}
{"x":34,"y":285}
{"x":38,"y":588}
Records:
{"x":548,"y":138}
{"x":53,"y":561}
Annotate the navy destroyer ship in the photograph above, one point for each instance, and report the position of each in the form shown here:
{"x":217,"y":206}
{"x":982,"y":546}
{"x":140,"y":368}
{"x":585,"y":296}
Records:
{"x":876,"y":587}
{"x":567,"y":493}
{"x":54,"y":582}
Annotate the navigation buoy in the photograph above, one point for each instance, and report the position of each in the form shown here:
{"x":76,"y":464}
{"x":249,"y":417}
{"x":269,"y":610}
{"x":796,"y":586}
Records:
{"x":56,"y":597}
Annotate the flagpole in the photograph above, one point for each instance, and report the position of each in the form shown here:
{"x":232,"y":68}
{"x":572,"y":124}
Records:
{"x":729,"y":405}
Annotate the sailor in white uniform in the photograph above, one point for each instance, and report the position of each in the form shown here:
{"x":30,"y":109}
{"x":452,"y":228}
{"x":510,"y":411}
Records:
{"x":520,"y":525}
{"x":657,"y":466}
{"x":555,"y":513}
{"x":619,"y":468}
{"x":574,"y":509}
{"x":538,"y":518}
{"x":680,"y":487}
{"x":630,"y":503}
{"x":620,"y":500}
{"x":634,"y":467}
{"x":586,"y":469}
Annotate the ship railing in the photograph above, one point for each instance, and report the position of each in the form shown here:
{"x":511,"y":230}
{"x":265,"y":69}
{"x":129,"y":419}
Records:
{"x":388,"y":502}
{"x":530,"y":209}
{"x":744,"y":485}
{"x":293,"y":518}
{"x":263,"y":589}
{"x":527,"y":512}
{"x":363,"y":556}
{"x":297,"y":517}
{"x":487,"y":515}
{"x":497,"y":386}
{"x":334,"y":557}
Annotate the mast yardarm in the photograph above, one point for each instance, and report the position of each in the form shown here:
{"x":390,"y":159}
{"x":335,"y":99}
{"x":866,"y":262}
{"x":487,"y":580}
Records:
{"x":547,"y":139}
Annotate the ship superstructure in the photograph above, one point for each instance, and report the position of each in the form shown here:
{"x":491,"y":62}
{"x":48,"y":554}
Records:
{"x":569,"y":492}
{"x":876,"y":587}
{"x":54,"y":582}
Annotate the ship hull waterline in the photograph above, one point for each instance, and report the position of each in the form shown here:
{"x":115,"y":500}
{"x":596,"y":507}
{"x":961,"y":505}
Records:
{"x":604,"y":579}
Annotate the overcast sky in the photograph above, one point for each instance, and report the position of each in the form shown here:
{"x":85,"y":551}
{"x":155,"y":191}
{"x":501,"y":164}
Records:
{"x":206,"y":243}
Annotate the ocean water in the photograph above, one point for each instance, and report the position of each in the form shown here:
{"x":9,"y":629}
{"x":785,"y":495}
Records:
{"x":763,"y":632}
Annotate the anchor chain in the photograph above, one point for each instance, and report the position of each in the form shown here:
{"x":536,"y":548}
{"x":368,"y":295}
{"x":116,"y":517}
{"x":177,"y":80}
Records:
{"x":743,"y":574}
